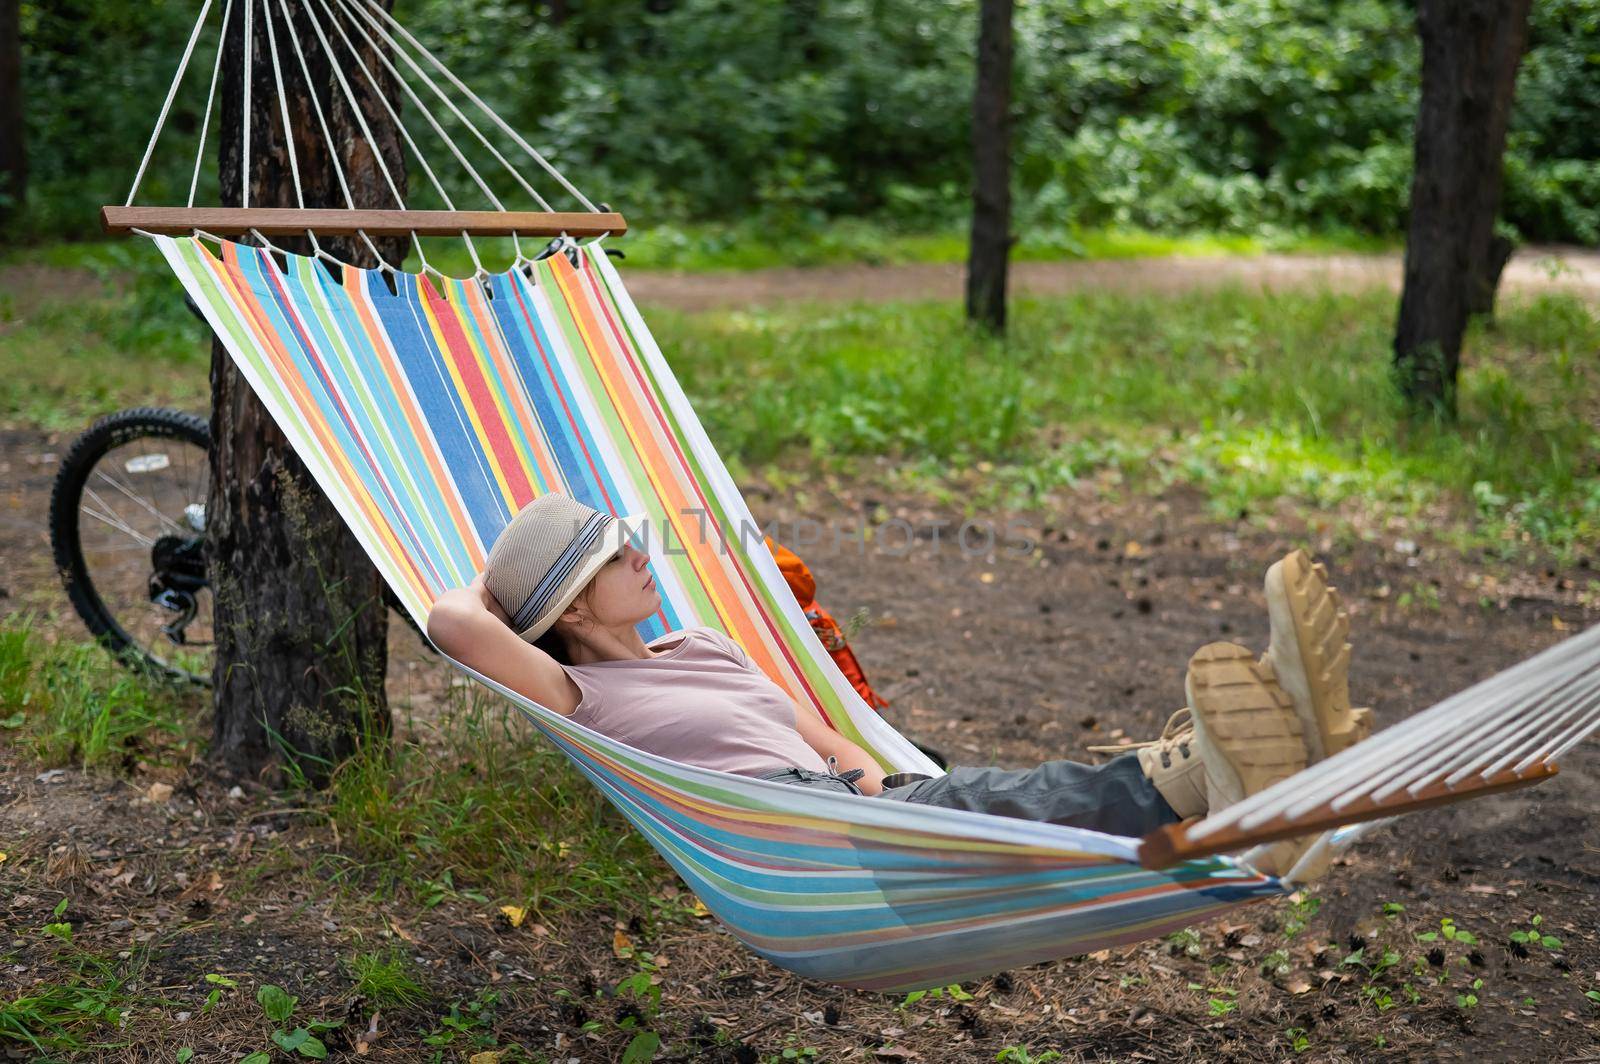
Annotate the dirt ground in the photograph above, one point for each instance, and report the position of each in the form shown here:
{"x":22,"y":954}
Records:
{"x":1004,"y":659}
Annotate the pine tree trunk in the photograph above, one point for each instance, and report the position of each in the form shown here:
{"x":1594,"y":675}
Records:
{"x":989,"y":253}
{"x":301,"y":625}
{"x":13,"y":138}
{"x":1470,"y":53}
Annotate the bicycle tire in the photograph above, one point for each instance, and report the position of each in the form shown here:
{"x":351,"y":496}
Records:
{"x":110,"y":431}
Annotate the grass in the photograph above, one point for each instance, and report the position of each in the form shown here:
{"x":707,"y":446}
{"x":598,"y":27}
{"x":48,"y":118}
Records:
{"x":387,"y":979}
{"x":470,"y":804}
{"x":1258,"y":400}
{"x":70,"y":1014}
{"x":1254,"y":398}
{"x":72,"y":705}
{"x":105,"y":328}
{"x":757,"y":244}
{"x":89,"y":999}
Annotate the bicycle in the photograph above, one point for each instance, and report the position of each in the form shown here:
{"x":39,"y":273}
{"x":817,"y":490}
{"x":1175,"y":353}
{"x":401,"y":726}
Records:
{"x":135,"y":570}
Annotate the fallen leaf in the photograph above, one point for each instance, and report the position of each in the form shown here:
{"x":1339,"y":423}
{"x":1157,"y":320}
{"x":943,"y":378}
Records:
{"x":895,"y":1053}
{"x":698,"y":910}
{"x":159,"y":792}
{"x":1297,"y":984}
{"x":488,"y":1056}
{"x":986,"y":578}
{"x":514,"y":914}
{"x":1132,"y":549}
{"x":621,"y":945}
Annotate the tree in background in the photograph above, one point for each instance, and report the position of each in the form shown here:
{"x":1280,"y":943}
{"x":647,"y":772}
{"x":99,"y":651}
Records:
{"x":13,"y":154}
{"x":301,"y":625}
{"x":1470,"y":53}
{"x":988,"y":254}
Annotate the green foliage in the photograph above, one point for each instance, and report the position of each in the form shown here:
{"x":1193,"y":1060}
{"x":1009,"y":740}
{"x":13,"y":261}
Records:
{"x":1535,"y":935}
{"x":1301,"y":911}
{"x":954,"y":992}
{"x":1023,"y":1055}
{"x":1450,"y":933}
{"x":467,"y":1024}
{"x":1233,"y":115}
{"x":218,"y":984}
{"x":279,"y":1005}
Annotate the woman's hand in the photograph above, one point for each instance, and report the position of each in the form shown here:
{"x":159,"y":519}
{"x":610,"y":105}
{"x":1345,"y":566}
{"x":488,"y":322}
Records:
{"x":468,"y":625}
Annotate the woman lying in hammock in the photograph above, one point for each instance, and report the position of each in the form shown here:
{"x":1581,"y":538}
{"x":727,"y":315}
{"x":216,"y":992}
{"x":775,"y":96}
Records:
{"x":554,"y":615}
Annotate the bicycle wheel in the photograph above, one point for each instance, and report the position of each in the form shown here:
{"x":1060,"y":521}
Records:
{"x":127,"y":526}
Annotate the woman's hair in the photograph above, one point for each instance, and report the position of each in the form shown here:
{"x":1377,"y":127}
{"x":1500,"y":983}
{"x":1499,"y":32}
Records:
{"x":554,"y":643}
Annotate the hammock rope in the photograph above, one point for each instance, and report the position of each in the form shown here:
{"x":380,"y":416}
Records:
{"x":172,"y":94}
{"x":205,"y":122}
{"x":376,"y":11}
{"x":430,"y":409}
{"x":331,"y":23}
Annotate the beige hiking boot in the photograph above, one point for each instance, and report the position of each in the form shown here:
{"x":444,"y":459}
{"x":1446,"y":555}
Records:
{"x":1172,"y":765}
{"x":1250,"y":737}
{"x":1310,"y":654}
{"x":1245,"y":726}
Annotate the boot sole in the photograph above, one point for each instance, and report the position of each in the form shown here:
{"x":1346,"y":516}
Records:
{"x":1241,"y":712}
{"x":1310,"y":653}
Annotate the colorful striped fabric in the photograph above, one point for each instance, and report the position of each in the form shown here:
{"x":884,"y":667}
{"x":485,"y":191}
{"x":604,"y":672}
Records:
{"x":430,"y":414}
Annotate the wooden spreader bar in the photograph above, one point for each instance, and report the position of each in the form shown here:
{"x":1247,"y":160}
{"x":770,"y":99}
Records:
{"x":1171,"y":845}
{"x":282,"y":221}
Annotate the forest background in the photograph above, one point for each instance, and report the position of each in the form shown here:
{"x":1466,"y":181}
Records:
{"x":715,"y":122}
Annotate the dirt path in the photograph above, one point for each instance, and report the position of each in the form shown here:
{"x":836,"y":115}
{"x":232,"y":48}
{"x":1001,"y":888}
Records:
{"x":1574,"y":270}
{"x":1534,"y":268}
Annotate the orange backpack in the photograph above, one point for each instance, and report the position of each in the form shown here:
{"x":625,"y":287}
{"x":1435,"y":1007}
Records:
{"x":804,"y":586}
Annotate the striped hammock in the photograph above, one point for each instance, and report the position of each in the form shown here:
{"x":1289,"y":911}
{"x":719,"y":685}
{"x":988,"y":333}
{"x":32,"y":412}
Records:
{"x":429,"y":417}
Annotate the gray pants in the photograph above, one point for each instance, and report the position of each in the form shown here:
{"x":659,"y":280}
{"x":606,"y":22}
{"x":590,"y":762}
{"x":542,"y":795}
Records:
{"x":1116,"y":798}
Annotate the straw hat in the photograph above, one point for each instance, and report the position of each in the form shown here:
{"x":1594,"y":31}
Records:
{"x":547,"y":554}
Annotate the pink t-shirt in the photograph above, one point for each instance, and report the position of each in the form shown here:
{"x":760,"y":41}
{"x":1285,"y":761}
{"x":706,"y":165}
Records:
{"x":700,"y":700}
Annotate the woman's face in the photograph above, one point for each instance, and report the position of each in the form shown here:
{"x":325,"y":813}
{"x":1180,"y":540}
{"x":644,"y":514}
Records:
{"x":623,"y":592}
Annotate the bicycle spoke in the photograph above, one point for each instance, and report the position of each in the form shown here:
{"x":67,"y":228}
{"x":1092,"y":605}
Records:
{"x":171,"y":525}
{"x":113,"y":519}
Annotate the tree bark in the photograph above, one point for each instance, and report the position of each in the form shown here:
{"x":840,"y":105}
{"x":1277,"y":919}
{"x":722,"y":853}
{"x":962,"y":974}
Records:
{"x":301,"y":625}
{"x":13,"y":138}
{"x":988,"y":254}
{"x":1470,"y":53}
{"x":1501,"y":248}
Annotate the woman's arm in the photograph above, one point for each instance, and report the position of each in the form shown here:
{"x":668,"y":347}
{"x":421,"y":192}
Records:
{"x":829,"y":743}
{"x":466,"y":624}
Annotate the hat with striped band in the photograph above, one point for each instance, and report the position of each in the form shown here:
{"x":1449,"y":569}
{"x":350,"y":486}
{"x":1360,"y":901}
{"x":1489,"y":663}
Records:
{"x":547,"y":554}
